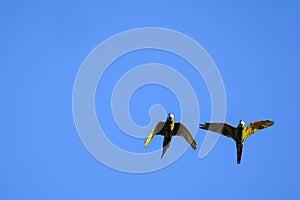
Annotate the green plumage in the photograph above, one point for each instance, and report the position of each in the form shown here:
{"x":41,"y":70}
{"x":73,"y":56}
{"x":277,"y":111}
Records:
{"x":168,"y":129}
{"x":239,"y":133}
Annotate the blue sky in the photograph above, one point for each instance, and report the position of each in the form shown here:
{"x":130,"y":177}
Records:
{"x":255,"y":46}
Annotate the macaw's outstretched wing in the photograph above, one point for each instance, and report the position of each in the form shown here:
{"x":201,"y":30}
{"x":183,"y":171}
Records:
{"x":222,"y":128}
{"x":255,"y":126}
{"x":181,"y":130}
{"x":157,"y":130}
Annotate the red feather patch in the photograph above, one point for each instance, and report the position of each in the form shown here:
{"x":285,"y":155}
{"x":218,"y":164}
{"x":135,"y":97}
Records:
{"x":255,"y":122}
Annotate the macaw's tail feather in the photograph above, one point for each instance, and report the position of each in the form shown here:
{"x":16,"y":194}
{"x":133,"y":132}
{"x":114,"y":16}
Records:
{"x":239,"y":151}
{"x":166,"y":144}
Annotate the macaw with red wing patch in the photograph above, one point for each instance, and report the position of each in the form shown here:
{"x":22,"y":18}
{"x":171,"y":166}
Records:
{"x":239,"y":133}
{"x":168,"y":129}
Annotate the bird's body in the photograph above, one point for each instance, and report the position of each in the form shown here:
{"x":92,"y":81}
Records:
{"x":168,"y":129}
{"x":239,"y":133}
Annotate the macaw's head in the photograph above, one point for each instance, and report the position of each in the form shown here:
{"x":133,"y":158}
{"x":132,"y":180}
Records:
{"x":170,"y":117}
{"x":241,"y":124}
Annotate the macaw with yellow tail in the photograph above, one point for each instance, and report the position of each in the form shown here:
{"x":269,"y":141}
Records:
{"x":168,"y":129}
{"x":239,"y":133}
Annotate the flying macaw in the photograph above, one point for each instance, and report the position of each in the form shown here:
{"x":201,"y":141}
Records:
{"x":239,"y":133}
{"x":169,"y":129}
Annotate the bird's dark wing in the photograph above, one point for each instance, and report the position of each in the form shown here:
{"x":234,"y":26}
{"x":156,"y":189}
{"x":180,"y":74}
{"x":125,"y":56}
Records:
{"x":157,"y":130}
{"x":181,"y":130}
{"x":255,"y":126}
{"x":222,"y":128}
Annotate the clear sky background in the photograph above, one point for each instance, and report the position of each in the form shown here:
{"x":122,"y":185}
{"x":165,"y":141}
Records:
{"x":255,"y":46}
